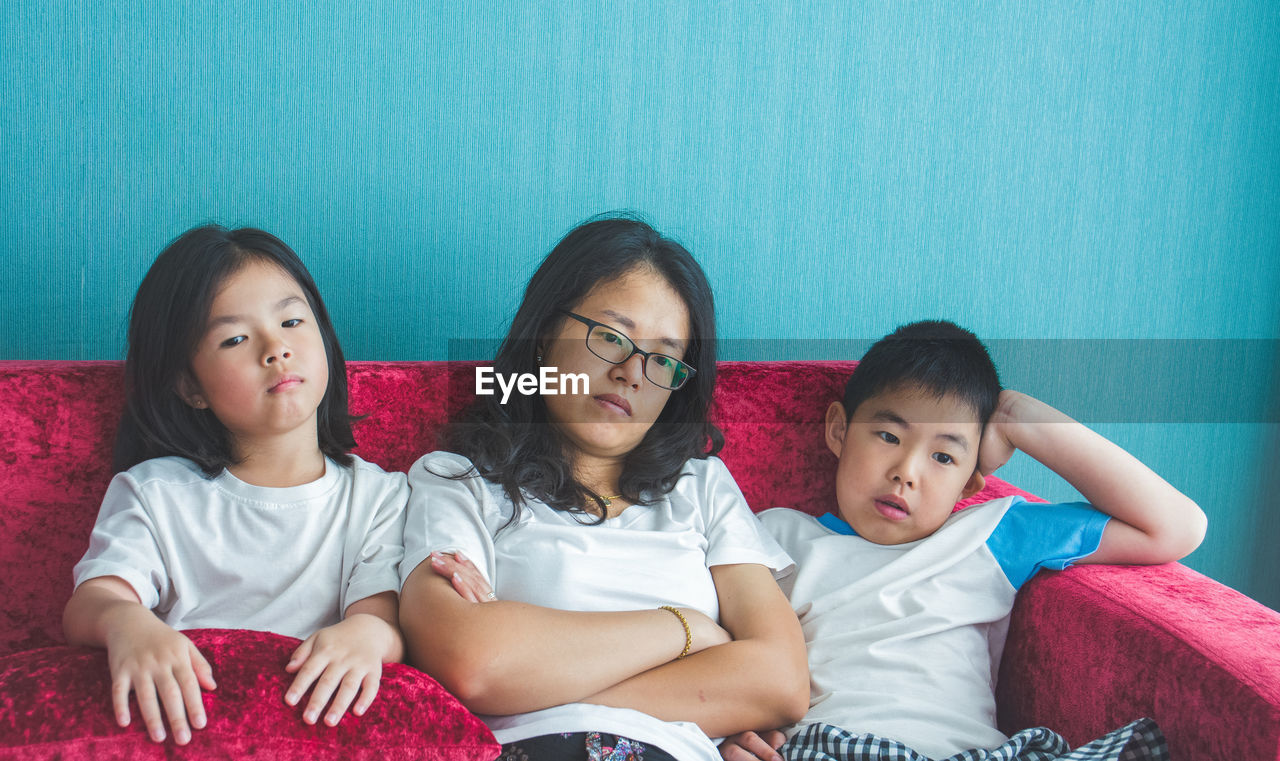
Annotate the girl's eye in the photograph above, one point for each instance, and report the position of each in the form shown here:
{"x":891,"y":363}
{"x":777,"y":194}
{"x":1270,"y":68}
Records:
{"x":887,"y":437}
{"x":233,"y":341}
{"x":943,"y":458}
{"x":290,"y":323}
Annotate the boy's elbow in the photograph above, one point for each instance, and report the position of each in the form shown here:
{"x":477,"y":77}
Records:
{"x":1184,"y":536}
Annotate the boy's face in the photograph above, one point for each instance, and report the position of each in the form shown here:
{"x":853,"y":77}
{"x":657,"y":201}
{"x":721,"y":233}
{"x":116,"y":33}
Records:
{"x":906,"y":458}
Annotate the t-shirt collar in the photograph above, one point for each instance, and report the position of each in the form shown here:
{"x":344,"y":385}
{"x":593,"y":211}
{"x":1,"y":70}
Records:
{"x":837,"y":524}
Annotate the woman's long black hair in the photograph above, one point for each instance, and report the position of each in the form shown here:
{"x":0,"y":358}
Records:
{"x":514,"y":444}
{"x":165,"y":325}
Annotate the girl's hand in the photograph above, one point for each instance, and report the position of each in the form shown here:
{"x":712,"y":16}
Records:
{"x":162,"y":668}
{"x":466,"y":578}
{"x":749,"y":746}
{"x":342,"y":661}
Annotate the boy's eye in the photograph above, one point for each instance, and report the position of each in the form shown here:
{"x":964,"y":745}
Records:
{"x":290,"y":323}
{"x":887,"y":437}
{"x":233,"y":341}
{"x":943,"y":458}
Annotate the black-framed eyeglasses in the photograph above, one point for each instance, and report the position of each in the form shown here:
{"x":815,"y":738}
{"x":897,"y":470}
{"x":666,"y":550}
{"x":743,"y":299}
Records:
{"x":615,"y":348}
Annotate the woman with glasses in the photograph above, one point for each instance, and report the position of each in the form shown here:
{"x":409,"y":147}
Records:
{"x":579,"y":570}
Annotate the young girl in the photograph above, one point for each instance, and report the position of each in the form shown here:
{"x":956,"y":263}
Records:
{"x":609,"y":548}
{"x":236,"y":504}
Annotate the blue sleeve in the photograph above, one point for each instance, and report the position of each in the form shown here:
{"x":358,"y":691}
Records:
{"x":1035,"y":535}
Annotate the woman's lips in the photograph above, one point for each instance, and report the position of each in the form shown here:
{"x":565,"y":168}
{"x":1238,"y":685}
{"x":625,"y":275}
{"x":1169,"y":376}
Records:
{"x":615,"y":403}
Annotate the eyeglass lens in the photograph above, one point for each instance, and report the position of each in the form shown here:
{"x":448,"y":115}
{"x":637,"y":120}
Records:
{"x":615,"y":348}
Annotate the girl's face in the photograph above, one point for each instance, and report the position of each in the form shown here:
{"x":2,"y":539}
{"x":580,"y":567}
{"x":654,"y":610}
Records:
{"x":260,"y":366}
{"x":621,"y":406}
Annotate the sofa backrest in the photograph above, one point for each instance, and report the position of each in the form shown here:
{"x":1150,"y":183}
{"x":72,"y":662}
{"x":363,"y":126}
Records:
{"x":58,"y":422}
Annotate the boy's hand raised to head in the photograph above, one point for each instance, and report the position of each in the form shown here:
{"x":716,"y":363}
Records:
{"x":1152,"y":522}
{"x":996,"y":447}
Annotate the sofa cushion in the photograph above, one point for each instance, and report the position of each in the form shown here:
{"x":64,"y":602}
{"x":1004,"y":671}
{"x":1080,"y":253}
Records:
{"x":55,"y":703}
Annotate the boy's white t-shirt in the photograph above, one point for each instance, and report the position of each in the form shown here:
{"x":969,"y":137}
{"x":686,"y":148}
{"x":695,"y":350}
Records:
{"x":904,"y":641}
{"x":221,"y":553}
{"x":649,"y":556}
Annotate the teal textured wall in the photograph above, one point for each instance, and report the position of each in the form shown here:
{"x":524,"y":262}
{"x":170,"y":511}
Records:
{"x":1035,"y":171}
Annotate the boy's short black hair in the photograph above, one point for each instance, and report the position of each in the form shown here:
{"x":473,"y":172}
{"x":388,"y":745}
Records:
{"x":935,"y":356}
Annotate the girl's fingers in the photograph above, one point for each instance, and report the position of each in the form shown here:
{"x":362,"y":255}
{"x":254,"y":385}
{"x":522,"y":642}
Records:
{"x":189,"y":684}
{"x":308,"y":671}
{"x":347,"y":691}
{"x":170,"y":694}
{"x":324,"y":689}
{"x":371,"y":682}
{"x":120,"y":689}
{"x":300,"y":654}
{"x":149,"y":708}
{"x":202,"y":669}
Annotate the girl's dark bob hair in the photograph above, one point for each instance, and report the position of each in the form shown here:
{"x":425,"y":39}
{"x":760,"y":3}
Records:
{"x":166,"y":323}
{"x":514,"y":445}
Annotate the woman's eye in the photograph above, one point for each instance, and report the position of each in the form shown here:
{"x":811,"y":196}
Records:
{"x":887,"y":437}
{"x":234,"y":341}
{"x":943,"y":458}
{"x":612,"y":338}
{"x":290,"y":323}
{"x":663,"y":361}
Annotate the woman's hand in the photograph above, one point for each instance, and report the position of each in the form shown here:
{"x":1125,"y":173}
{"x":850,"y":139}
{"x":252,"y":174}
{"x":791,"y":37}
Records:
{"x":342,"y":661}
{"x":752,"y":746}
{"x":466,"y":578}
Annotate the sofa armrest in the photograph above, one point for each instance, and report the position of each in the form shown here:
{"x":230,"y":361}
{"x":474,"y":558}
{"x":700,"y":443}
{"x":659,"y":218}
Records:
{"x":1094,"y":647}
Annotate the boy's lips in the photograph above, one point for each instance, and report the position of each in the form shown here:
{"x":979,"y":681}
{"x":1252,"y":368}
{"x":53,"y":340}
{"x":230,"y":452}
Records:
{"x":613,"y":401}
{"x":284,"y":383}
{"x":892,"y":507}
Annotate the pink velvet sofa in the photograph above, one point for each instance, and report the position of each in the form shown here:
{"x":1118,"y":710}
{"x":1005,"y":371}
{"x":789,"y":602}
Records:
{"x":1089,"y":648}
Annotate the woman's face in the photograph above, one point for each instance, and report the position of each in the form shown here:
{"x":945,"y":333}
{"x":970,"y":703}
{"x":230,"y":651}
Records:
{"x":621,"y":404}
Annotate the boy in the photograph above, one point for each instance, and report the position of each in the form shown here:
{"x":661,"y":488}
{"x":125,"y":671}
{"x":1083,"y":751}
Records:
{"x":904,"y":604}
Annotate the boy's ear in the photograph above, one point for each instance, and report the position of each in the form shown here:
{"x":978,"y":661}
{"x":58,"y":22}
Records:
{"x":189,"y":392}
{"x":973,"y":486}
{"x":835,"y":428}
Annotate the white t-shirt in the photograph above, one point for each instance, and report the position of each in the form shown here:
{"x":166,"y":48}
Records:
{"x":650,"y":555}
{"x":220,"y":553}
{"x":904,"y":641}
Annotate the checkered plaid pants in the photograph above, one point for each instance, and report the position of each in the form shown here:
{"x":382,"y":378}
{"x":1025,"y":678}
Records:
{"x":1140,"y":741}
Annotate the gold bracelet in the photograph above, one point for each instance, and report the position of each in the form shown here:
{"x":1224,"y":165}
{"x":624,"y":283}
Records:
{"x":688,"y":635}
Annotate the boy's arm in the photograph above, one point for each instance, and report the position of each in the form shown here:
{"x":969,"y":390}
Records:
{"x":145,"y":655}
{"x":1152,"y":522}
{"x":346,"y":659}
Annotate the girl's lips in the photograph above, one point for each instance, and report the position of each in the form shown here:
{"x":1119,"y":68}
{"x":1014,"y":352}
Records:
{"x":287,"y":382}
{"x":614,"y":402}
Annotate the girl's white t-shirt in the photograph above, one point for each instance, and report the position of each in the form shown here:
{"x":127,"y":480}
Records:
{"x":221,"y":553}
{"x":649,"y":556}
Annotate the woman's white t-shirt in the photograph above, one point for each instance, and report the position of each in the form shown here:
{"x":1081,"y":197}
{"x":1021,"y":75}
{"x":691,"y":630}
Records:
{"x":650,"y":555}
